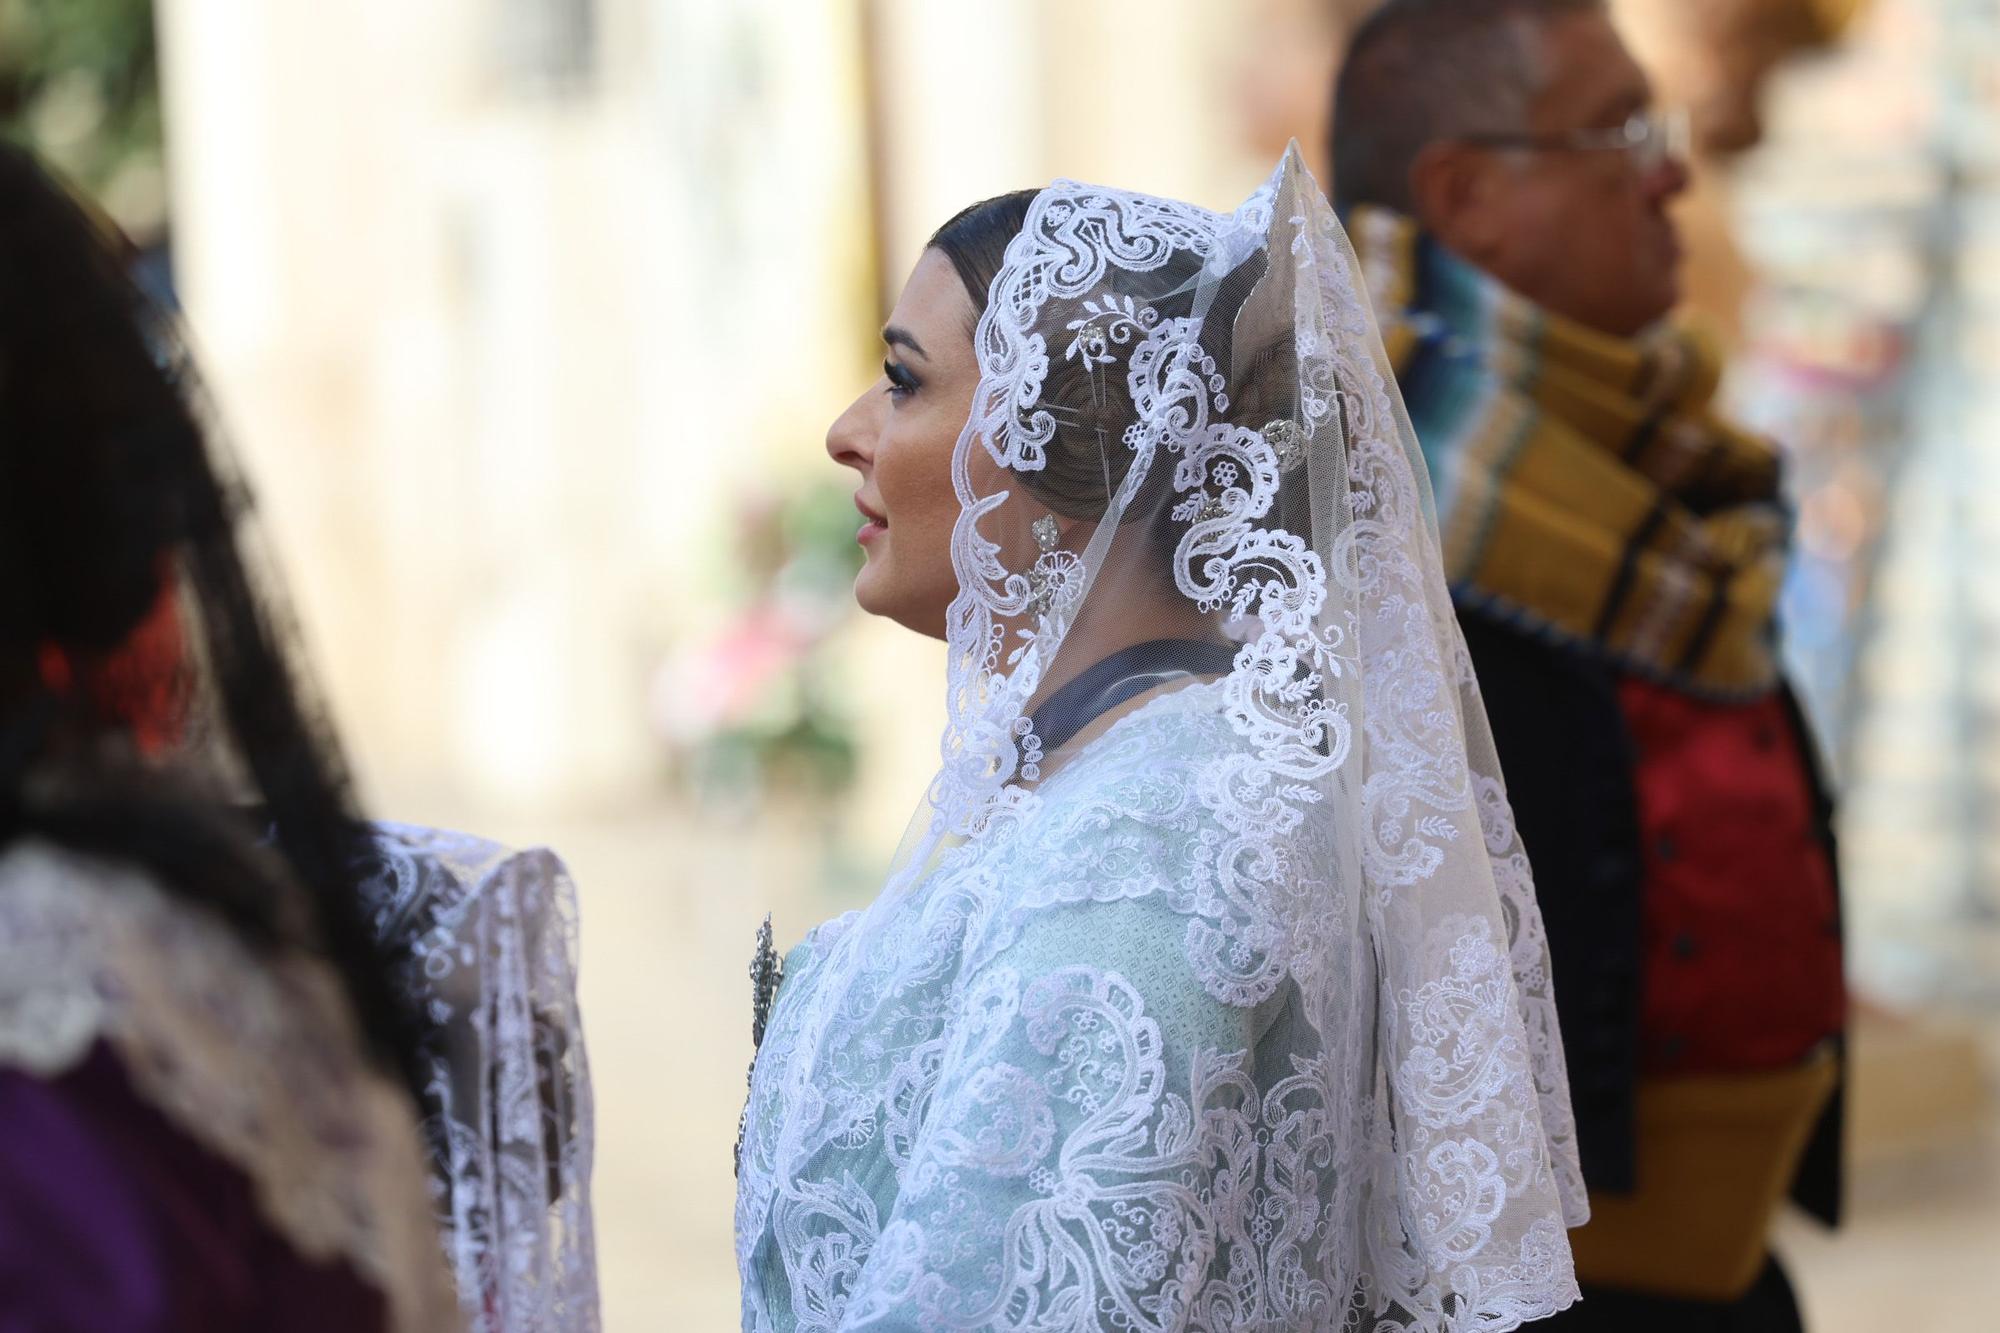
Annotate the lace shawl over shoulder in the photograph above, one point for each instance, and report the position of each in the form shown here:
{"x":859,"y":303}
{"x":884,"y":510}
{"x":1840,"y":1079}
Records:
{"x":487,"y":940}
{"x":256,"y":1060}
{"x":1085,"y":1096}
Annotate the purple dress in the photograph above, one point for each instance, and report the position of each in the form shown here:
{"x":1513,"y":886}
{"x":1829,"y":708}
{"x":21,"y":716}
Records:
{"x":113,"y":1221}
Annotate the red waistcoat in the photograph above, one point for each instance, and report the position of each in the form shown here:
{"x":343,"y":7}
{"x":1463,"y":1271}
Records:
{"x":1740,"y":941}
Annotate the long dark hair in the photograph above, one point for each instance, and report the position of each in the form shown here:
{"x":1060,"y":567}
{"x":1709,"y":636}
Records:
{"x":130,"y":619}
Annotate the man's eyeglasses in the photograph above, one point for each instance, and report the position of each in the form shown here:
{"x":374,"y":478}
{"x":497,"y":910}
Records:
{"x":1650,"y":138}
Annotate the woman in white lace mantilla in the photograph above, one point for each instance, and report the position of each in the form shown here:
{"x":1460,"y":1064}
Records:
{"x":208,"y":1083}
{"x":1208,"y":990}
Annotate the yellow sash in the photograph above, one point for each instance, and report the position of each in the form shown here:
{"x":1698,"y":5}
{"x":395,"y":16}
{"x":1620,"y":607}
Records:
{"x":1717,"y":1154}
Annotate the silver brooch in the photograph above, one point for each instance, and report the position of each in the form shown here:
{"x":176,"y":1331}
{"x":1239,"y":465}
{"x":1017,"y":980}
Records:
{"x":766,"y":971}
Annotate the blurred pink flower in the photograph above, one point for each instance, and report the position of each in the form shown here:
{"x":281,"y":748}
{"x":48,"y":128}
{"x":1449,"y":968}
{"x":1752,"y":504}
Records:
{"x":727,"y":682}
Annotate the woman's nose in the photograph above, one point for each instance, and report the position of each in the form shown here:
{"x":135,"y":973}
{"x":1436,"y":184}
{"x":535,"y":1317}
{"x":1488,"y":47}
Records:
{"x":850,"y":440}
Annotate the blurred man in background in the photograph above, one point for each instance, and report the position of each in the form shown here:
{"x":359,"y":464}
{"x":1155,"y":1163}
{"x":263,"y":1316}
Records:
{"x":1615,"y":550}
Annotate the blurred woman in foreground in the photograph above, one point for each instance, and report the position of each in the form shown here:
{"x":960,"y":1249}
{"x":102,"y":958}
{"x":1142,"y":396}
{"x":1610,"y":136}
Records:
{"x":206,"y":1112}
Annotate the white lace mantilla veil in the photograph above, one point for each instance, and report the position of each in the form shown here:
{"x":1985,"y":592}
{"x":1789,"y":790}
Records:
{"x":1236,"y":1014}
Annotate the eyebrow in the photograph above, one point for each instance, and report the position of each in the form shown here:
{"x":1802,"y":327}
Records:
{"x":901,"y":337}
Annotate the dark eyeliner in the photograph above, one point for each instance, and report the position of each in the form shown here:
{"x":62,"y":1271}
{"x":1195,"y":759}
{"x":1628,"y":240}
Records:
{"x":900,"y":378}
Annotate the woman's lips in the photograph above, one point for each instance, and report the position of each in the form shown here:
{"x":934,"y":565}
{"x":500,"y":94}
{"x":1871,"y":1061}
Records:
{"x":873,"y":525}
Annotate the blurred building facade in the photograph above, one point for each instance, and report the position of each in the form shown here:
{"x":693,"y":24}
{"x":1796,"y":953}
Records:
{"x":512,"y":303}
{"x":501,"y":297}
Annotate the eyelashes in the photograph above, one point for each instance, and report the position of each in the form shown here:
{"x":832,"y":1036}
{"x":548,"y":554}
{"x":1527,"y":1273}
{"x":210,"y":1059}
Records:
{"x":901,"y":382}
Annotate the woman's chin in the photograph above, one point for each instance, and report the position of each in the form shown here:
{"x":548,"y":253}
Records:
{"x":868,"y":588}
{"x":879,"y":596}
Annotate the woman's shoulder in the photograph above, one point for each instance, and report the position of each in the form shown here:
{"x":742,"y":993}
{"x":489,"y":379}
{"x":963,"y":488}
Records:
{"x":1136,"y":836}
{"x":250,"y":1053}
{"x":1141,"y":791}
{"x":1179,"y":731}
{"x":461,"y":913}
{"x":417,"y":878}
{"x":1126,"y":820}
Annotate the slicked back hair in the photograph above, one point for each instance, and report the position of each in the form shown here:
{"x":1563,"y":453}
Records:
{"x":1421,"y":71}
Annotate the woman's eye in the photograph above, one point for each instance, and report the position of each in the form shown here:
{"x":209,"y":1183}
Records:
{"x":901,"y":381}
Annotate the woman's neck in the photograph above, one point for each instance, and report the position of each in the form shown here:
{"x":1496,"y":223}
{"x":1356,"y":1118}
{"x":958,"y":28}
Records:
{"x":1096,"y":639}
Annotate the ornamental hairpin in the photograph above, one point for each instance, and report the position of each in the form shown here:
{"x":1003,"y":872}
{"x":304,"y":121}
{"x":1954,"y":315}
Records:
{"x":1287,"y":441}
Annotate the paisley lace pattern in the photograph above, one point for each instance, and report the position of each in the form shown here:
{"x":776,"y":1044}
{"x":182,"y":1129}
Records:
{"x":487,"y":942}
{"x":256,"y":1060}
{"x":1239,"y":1016}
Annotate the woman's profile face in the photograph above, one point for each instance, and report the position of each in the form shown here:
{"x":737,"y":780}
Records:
{"x":898,"y":437}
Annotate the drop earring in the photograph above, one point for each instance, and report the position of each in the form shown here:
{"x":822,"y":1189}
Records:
{"x":1049,"y":578}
